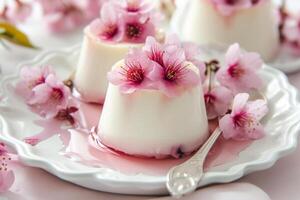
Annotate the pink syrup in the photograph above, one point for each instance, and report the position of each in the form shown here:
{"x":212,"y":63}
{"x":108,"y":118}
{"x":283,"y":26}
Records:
{"x":79,"y":146}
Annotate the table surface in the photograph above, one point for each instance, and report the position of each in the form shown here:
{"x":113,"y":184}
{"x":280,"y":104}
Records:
{"x":281,"y":182}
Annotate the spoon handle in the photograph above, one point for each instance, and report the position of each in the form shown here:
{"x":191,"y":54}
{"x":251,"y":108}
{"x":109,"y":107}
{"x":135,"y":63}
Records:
{"x":184,"y":178}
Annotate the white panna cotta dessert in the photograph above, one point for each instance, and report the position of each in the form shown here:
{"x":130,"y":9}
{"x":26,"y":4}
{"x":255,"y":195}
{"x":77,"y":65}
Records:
{"x":120,"y":27}
{"x":154,"y":110}
{"x":252,"y":24}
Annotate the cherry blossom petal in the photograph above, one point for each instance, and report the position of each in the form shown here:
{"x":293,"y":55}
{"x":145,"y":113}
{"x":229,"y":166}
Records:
{"x":7,"y":179}
{"x":249,"y":82}
{"x":258,"y":109}
{"x":239,"y":102}
{"x":233,"y":54}
{"x":224,"y":99}
{"x":32,"y":140}
{"x":109,"y":14}
{"x":190,"y":78}
{"x":217,"y":101}
{"x":41,"y":94}
{"x":254,"y":132}
{"x":115,"y":76}
{"x":227,"y":126}
{"x":173,"y":57}
{"x":157,"y":73}
{"x":252,"y":59}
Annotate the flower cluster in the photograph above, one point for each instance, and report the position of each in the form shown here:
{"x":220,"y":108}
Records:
{"x":45,"y":93}
{"x":231,"y":83}
{"x":127,"y":21}
{"x":66,"y":15}
{"x":228,"y":7}
{"x":166,"y":67}
{"x":239,"y":74}
{"x":58,"y":15}
{"x":7,"y":176}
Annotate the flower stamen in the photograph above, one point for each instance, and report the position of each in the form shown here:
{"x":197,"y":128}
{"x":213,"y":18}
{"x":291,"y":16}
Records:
{"x":235,"y":70}
{"x":172,"y":73}
{"x":133,"y":73}
{"x":57,"y":94}
{"x":133,"y":30}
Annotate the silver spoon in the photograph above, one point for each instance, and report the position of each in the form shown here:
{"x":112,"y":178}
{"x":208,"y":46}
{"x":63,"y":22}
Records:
{"x":184,"y":178}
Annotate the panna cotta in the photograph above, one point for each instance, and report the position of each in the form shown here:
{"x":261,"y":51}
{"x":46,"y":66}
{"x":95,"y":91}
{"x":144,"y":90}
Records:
{"x":252,"y":24}
{"x":121,"y":26}
{"x":154,"y":105}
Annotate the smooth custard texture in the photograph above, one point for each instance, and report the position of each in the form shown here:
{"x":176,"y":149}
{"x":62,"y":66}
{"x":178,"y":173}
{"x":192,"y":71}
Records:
{"x":148,"y":123}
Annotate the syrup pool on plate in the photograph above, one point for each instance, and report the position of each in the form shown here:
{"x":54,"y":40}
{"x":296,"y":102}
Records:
{"x":80,"y":148}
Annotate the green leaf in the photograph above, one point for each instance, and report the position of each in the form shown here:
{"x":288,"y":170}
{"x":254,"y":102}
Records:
{"x":12,"y":34}
{"x":2,"y":30}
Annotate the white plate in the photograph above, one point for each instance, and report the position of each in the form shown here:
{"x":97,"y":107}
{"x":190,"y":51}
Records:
{"x":282,"y":126}
{"x":284,"y":61}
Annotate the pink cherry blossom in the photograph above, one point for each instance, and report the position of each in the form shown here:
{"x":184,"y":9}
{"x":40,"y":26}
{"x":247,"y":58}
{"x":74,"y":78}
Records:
{"x":291,"y":33}
{"x":217,"y":101}
{"x":137,"y":29}
{"x":191,"y":52}
{"x":244,"y":121}
{"x":175,"y":73}
{"x":240,"y":70}
{"x":7,"y":176}
{"x":134,"y":74}
{"x":50,"y":97}
{"x":30,"y":78}
{"x":17,"y":11}
{"x":109,"y":26}
{"x":66,"y":15}
{"x":228,"y":7}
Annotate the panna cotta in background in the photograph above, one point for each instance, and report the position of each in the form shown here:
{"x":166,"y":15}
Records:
{"x":154,"y":105}
{"x":121,"y":26}
{"x":96,"y":59}
{"x":252,"y":24}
